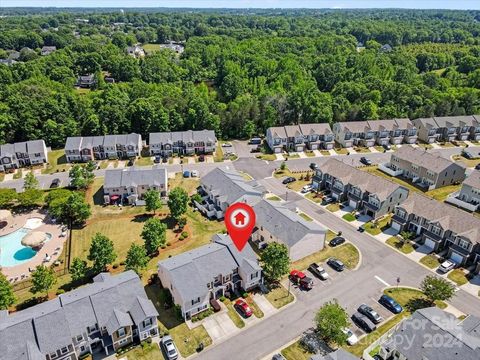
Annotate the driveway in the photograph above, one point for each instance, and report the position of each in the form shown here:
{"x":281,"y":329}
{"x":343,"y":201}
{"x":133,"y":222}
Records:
{"x":219,"y":326}
{"x":264,"y":305}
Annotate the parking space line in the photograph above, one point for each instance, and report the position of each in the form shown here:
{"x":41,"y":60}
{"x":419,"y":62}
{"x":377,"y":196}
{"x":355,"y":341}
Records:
{"x":382,"y":281}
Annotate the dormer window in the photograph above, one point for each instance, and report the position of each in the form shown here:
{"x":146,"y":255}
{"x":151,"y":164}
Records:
{"x":121,"y":332}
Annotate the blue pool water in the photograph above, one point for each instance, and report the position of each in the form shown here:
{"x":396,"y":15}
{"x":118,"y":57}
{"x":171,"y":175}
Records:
{"x":12,"y":252}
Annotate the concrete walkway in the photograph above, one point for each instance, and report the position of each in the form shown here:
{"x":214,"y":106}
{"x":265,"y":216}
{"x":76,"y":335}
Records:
{"x":264,"y":305}
{"x":279,"y":157}
{"x":317,"y":153}
{"x":373,"y":149}
{"x":219,"y":326}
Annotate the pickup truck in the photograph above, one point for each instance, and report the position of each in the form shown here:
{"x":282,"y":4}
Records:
{"x":318,"y":271}
{"x":300,"y":279}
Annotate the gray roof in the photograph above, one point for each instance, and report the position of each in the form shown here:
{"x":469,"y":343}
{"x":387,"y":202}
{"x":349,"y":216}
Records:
{"x":423,"y":158}
{"x":449,"y":217}
{"x":87,"y":142}
{"x":185,"y":136}
{"x":390,"y":124}
{"x":427,"y":122}
{"x":463,"y":336}
{"x":191,"y":271}
{"x":278,"y":132}
{"x":133,"y":176}
{"x":404,"y":123}
{"x":73,"y":143}
{"x":51,"y":325}
{"x":365,"y":181}
{"x":285,"y":224}
{"x":317,"y":128}
{"x":455,"y":121}
{"x":293,"y":131}
{"x":355,"y":126}
{"x":35,"y":146}
{"x":339,"y":354}
{"x":473,"y":179}
{"x":25,"y":147}
{"x":230,"y":187}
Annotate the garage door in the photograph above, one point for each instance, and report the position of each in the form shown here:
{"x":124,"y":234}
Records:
{"x":456,"y":257}
{"x":352,"y":204}
{"x":429,"y":243}
{"x":396,"y":226}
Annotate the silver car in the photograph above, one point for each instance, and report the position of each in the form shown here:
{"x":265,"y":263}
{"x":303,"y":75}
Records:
{"x":169,"y":348}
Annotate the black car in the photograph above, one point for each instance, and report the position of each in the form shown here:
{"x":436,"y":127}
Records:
{"x":361,"y":229}
{"x":477,"y":167}
{"x":327,"y":200}
{"x":365,"y":161}
{"x":130,"y":162}
{"x":467,"y":155}
{"x":370,"y":313}
{"x":338,"y":240}
{"x":336,"y":264}
{"x":363,"y":322}
{"x":157,"y":159}
{"x":55,"y":183}
{"x":288,"y":180}
{"x":201,"y":158}
{"x":386,"y":146}
{"x":313,"y":166}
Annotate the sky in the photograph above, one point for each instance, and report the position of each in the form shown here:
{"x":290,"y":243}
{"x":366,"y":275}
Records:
{"x":412,"y":4}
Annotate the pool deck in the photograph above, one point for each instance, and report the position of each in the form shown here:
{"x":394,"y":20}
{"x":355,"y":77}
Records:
{"x":21,"y":272}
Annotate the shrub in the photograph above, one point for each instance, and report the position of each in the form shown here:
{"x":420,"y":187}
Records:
{"x":169,"y":243}
{"x":223,"y":298}
{"x":115,"y":266}
{"x":60,"y":291}
{"x":164,"y":246}
{"x":184,"y":234}
{"x":245,"y":295}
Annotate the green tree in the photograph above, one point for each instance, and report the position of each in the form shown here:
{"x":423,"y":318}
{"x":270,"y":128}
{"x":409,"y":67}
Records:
{"x":30,"y":197}
{"x":102,"y":252}
{"x":330,"y":320}
{"x":178,"y":202}
{"x":154,"y":235}
{"x":7,"y":196}
{"x":81,"y":176}
{"x":283,"y":166}
{"x":137,"y":258}
{"x":74,"y":208}
{"x":153,"y":202}
{"x":43,"y":279}
{"x":78,"y":269}
{"x":30,"y":181}
{"x":7,"y":297}
{"x":275,"y":261}
{"x":436,"y":288}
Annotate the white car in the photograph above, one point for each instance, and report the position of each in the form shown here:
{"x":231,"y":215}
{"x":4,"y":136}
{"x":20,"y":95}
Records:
{"x":306,"y":189}
{"x":351,"y":337}
{"x":194,"y":173}
{"x":446,"y":266}
{"x":169,"y":347}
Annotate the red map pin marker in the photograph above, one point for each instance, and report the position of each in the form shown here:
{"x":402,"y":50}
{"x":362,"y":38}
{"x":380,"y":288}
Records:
{"x":240,"y":220}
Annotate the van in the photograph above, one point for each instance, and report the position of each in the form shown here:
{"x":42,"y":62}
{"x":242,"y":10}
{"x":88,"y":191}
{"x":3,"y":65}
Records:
{"x":255,"y":141}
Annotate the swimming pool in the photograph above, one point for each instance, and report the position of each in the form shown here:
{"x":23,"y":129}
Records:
{"x":12,"y":252}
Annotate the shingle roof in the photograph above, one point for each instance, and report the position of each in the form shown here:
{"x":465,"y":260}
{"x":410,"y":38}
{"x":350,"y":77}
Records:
{"x":35,"y":146}
{"x":449,"y":217}
{"x":51,"y":325}
{"x":134,"y":177}
{"x":230,"y":186}
{"x":427,"y":122}
{"x":404,"y":123}
{"x":73,"y":143}
{"x":455,"y":121}
{"x":390,"y":124}
{"x":317,"y":128}
{"x":355,"y":126}
{"x":365,"y":181}
{"x":437,"y":324}
{"x":278,"y":132}
{"x":185,"y":136}
{"x":283,"y":223}
{"x":339,"y":354}
{"x":191,"y":271}
{"x":421,"y":157}
{"x":473,"y":179}
{"x":293,"y":131}
{"x":117,"y":320}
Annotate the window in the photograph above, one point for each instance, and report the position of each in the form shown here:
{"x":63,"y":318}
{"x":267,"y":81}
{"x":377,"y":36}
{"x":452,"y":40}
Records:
{"x":53,"y":355}
{"x":253,"y":275}
{"x":82,"y":348}
{"x":436,"y":230}
{"x":401,"y":213}
{"x":79,"y":337}
{"x":195,"y":301}
{"x":147,"y":322}
{"x":64,"y":350}
{"x":121,"y":332}
{"x":464,"y":244}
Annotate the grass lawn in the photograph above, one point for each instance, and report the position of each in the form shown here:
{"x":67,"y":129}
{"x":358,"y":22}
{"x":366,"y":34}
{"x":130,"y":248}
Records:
{"x":145,"y":351}
{"x":268,"y":157}
{"x":446,"y":145}
{"x":379,"y":148}
{"x":279,"y":296}
{"x":233,"y":314}
{"x":325,"y":152}
{"x":2,"y":176}
{"x":273,"y":198}
{"x":333,"y":207}
{"x":305,"y":216}
{"x":362,"y":150}
{"x":348,"y":217}
{"x":425,"y":146}
{"x":151,"y":48}
{"x":314,"y":197}
{"x":341,"y":151}
{"x":430,"y":261}
{"x":18,"y":174}
{"x":442,"y":193}
{"x":376,"y":227}
{"x":468,"y":162}
{"x":303,"y":178}
{"x":309,"y":153}
{"x":347,"y":253}
{"x":103,"y":164}
{"x":296,"y":352}
{"x":144,"y":161}
{"x":189,"y":184}
{"x":57,"y":162}
{"x":395,"y":242}
{"x":291,"y":156}
{"x":218,"y":156}
{"x":185,"y":339}
{"x":458,"y":276}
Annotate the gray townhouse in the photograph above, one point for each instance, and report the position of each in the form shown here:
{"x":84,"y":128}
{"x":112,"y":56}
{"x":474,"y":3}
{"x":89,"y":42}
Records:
{"x":393,"y":131}
{"x":468,"y":198}
{"x":441,"y":227}
{"x":371,"y":195}
{"x":338,"y":354}
{"x":221,"y":188}
{"x":111,"y":147}
{"x":209,"y":272}
{"x":182,"y":142}
{"x":127,"y":186}
{"x":21,"y":154}
{"x":429,"y":171}
{"x":354,"y":133}
{"x":275,"y":222}
{"x":448,"y":128}
{"x":297,"y":138}
{"x":413,"y":337}
{"x":101,"y":317}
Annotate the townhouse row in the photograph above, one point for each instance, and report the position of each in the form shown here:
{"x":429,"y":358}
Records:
{"x":82,"y":149}
{"x":373,"y":132}
{"x":21,"y":154}
{"x":99,"y":319}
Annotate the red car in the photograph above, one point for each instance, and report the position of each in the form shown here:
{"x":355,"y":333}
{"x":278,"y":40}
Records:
{"x":243,"y":308}
{"x":302,"y":280}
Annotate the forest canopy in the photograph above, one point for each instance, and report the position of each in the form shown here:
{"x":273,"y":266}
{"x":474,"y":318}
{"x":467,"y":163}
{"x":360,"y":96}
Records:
{"x":241,"y":71}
